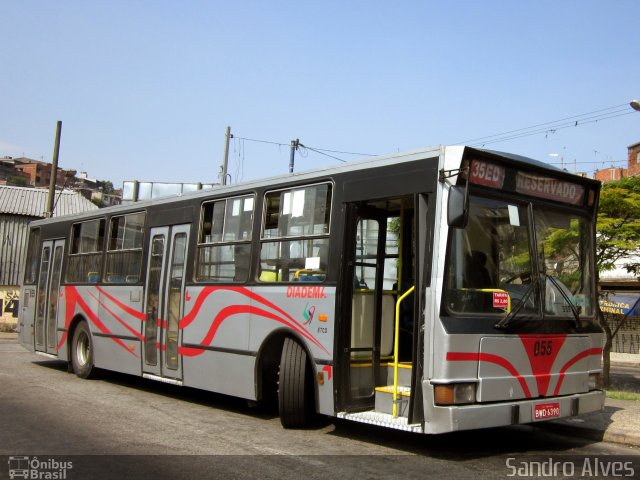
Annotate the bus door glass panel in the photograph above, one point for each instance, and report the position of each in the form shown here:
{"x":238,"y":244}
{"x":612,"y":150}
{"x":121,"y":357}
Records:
{"x":43,"y":281}
{"x":48,"y":292}
{"x":153,"y":325}
{"x":174,"y":300}
{"x":54,"y":295}
{"x":365,"y":307}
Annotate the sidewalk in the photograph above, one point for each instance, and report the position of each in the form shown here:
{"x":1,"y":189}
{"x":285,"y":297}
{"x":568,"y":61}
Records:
{"x":619,"y":422}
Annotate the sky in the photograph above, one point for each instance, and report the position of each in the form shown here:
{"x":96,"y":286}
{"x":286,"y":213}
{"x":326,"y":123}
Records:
{"x":146,"y":89}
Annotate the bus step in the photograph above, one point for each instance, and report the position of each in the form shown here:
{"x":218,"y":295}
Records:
{"x":384,"y":400}
{"x":383,"y":420}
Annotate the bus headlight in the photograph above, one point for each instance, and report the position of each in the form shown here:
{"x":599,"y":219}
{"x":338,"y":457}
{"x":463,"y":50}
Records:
{"x":595,"y":381}
{"x":455,"y":393}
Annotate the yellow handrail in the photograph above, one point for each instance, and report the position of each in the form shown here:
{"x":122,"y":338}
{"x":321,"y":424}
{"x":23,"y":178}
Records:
{"x":395,"y":350}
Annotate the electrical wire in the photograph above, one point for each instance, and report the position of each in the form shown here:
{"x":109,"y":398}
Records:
{"x":315,"y":149}
{"x":551,"y":127}
{"x":547,"y":131}
{"x":322,"y":153}
{"x":547,"y":128}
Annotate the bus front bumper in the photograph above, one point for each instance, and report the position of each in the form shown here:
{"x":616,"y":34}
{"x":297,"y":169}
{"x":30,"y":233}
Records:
{"x":467,"y":417}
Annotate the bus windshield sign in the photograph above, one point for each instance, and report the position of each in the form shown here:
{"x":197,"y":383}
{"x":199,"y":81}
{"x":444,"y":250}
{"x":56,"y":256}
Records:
{"x":492,"y":175}
{"x":487,"y":174}
{"x":549,"y":188}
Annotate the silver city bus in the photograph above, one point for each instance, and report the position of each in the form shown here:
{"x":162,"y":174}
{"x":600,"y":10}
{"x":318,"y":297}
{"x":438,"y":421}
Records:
{"x":442,"y":289}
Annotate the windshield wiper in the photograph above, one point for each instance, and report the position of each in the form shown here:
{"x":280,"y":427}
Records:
{"x":576,"y":315}
{"x":506,"y":321}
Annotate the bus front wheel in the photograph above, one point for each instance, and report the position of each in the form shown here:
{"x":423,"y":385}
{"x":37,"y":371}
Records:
{"x":82,"y":351}
{"x":295,"y":386}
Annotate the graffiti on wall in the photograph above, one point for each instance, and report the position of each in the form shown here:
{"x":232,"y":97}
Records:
{"x":9,"y":304}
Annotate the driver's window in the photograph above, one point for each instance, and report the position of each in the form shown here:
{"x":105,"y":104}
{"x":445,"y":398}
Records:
{"x":489,"y":263}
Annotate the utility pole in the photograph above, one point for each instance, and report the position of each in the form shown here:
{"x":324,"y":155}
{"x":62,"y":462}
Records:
{"x":54,"y":171}
{"x":225,"y":160}
{"x":294,"y":147}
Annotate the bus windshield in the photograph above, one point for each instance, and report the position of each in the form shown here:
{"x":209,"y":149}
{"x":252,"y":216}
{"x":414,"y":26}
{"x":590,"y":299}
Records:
{"x":516,"y":258}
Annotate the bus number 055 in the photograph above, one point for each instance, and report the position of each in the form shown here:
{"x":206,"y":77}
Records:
{"x":542,"y":348}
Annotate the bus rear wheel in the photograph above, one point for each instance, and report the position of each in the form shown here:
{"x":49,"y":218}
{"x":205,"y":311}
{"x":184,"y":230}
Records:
{"x":82,"y":352}
{"x":295,"y":386}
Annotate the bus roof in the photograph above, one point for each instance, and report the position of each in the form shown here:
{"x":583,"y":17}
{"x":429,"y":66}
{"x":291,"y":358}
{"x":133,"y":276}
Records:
{"x":326,"y":171}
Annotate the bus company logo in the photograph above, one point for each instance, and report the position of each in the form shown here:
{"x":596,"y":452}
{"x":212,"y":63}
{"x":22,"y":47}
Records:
{"x":36,"y":469}
{"x":308,"y":313}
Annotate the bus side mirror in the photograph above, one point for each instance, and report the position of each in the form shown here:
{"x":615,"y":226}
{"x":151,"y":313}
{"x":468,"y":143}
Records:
{"x":458,"y":206}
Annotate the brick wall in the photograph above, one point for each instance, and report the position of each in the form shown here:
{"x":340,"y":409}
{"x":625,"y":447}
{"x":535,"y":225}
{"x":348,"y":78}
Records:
{"x":610,"y":174}
{"x":634,"y":160}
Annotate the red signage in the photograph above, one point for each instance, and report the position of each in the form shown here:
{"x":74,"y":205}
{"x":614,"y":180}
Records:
{"x":549,"y":188}
{"x":487,"y":174}
{"x":500,"y":300}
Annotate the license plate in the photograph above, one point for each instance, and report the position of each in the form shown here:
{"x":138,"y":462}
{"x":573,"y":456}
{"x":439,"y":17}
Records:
{"x":545,"y":411}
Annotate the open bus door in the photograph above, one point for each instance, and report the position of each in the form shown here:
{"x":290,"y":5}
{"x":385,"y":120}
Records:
{"x":164,"y":302}
{"x":47,"y":295}
{"x":379,"y":287}
{"x":363,"y":304}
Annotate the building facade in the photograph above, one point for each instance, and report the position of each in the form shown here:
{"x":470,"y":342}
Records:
{"x":18,"y":207}
{"x":633,"y":166}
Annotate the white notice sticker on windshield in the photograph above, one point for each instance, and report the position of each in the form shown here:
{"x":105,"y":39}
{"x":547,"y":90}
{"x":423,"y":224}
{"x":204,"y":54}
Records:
{"x":514,"y":218}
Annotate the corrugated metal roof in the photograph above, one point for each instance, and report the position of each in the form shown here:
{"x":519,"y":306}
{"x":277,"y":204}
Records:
{"x":32,"y":202}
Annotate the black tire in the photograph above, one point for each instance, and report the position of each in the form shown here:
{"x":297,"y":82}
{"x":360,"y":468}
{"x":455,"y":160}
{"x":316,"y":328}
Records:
{"x":82,"y":352}
{"x":295,"y":386}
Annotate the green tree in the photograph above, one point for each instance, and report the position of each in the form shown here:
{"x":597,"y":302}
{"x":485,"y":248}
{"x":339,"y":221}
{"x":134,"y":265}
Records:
{"x":106,"y":186}
{"x":18,"y":181}
{"x":618,"y":228}
{"x":617,"y":240}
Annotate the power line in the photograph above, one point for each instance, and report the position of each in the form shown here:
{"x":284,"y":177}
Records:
{"x":552,"y":130}
{"x":553,"y":126}
{"x":315,"y":149}
{"x":322,"y":153}
{"x":601,"y":162}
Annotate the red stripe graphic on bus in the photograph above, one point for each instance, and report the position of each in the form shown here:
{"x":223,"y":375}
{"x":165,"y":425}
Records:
{"x":131,"y":311}
{"x":116,"y":317}
{"x":232,"y":310}
{"x":490,"y":358}
{"x":542,"y":352}
{"x":575,"y":359}
{"x":73,"y":298}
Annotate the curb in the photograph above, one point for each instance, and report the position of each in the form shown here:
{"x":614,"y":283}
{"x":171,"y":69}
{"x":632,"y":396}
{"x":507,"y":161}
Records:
{"x":609,"y":436}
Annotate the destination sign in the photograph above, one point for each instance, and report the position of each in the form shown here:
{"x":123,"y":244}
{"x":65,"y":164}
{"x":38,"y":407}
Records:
{"x":487,"y":174}
{"x":549,"y":188}
{"x":493,"y":175}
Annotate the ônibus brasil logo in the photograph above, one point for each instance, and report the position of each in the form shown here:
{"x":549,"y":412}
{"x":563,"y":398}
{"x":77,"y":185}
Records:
{"x":38,"y":469}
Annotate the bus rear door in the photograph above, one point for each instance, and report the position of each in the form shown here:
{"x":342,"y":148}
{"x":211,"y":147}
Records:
{"x":47,"y":295}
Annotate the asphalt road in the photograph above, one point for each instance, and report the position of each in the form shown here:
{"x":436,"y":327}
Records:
{"x":120,"y":426}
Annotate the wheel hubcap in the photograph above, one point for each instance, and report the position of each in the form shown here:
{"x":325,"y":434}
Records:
{"x":83,"y":349}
